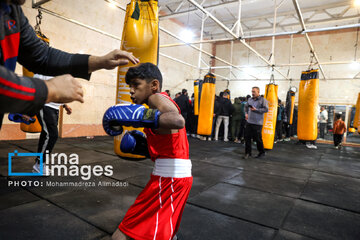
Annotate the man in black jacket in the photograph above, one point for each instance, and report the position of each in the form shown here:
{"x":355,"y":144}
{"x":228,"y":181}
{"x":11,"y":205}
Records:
{"x":183,"y":102}
{"x":225,"y":110}
{"x":19,"y":43}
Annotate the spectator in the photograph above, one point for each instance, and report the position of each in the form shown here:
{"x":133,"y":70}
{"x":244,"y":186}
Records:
{"x":177,"y":95}
{"x":226,"y":110}
{"x":323,"y":118}
{"x":183,"y":102}
{"x":254,"y":115}
{"x":338,"y":131}
{"x":167,"y":92}
{"x":279,"y":122}
{"x":243,"y":120}
{"x":236,"y":119}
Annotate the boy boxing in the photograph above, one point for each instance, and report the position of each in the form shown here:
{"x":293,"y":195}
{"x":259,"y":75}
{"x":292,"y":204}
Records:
{"x":157,"y":211}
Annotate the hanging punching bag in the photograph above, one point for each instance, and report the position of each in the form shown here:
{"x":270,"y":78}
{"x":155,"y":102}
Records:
{"x":356,"y":122}
{"x":33,"y":127}
{"x":308,"y":105}
{"x":141,"y":37}
{"x":206,"y":108}
{"x":196,"y":97}
{"x":228,"y":92}
{"x":290,"y":104}
{"x":269,"y":125}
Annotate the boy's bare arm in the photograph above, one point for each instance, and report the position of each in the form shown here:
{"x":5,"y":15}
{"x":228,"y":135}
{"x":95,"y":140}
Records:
{"x":170,"y":117}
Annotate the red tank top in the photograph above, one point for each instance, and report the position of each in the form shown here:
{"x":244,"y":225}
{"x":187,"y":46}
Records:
{"x":173,"y":145}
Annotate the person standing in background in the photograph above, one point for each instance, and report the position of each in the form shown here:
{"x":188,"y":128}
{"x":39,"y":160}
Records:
{"x":279,"y":122}
{"x":338,"y":131}
{"x":183,"y":102}
{"x":226,"y":110}
{"x":236,"y":119}
{"x":323,"y":118}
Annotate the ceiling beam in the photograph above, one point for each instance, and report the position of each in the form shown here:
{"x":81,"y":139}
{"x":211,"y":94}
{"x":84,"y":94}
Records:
{"x":312,"y":49}
{"x":235,"y":36}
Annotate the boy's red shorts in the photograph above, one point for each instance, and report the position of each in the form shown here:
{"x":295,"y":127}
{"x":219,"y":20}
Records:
{"x":156,"y":213}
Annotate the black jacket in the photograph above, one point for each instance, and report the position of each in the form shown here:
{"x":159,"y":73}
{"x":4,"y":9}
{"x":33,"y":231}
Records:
{"x":225,"y":107}
{"x":183,"y":102}
{"x":28,"y":95}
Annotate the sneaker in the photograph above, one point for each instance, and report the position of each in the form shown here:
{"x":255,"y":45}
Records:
{"x":311,"y":146}
{"x":260,"y":155}
{"x":246,"y":156}
{"x":202,"y":138}
{"x":287,"y":140}
{"x":36,"y":169}
{"x":209,"y":139}
{"x":336,"y":147}
{"x":281,"y":140}
{"x":226,"y":140}
{"x":275,"y":141}
{"x":193,"y":135}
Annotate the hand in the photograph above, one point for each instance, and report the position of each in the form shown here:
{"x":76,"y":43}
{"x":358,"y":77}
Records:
{"x":111,"y":60}
{"x":26,"y":118}
{"x":64,"y":89}
{"x":68,"y":109}
{"x":246,"y":117}
{"x":253,"y":109}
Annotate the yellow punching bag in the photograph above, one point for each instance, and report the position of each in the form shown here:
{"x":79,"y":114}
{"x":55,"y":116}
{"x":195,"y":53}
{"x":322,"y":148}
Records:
{"x":308,"y":105}
{"x":356,"y":122}
{"x":196,"y":97}
{"x":140,"y":36}
{"x":269,"y":125}
{"x":33,"y":127}
{"x":292,"y":108}
{"x":206,"y":108}
{"x":228,"y":92}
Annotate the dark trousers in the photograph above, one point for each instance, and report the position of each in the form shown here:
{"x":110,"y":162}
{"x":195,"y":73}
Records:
{"x":48,"y":118}
{"x":287,"y":129}
{"x":322,"y":130}
{"x":242,"y":129}
{"x":253,"y":131}
{"x":235,"y":128}
{"x":279,"y":126}
{"x":337,"y":139}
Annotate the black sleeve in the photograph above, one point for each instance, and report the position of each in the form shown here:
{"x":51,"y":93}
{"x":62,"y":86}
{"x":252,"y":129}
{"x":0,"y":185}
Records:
{"x":38,"y":57}
{"x":21,"y":94}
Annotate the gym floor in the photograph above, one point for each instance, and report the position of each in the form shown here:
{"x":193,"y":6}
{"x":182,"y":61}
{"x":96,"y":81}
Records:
{"x":293,"y":193}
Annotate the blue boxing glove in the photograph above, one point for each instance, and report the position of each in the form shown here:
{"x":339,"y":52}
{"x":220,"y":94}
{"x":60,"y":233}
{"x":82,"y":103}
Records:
{"x":129,"y":115}
{"x":17,"y":117}
{"x":134,"y":142}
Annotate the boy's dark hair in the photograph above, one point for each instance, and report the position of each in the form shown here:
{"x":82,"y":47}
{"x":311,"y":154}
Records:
{"x":184,"y":91}
{"x":145,"y":71}
{"x":338,"y":116}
